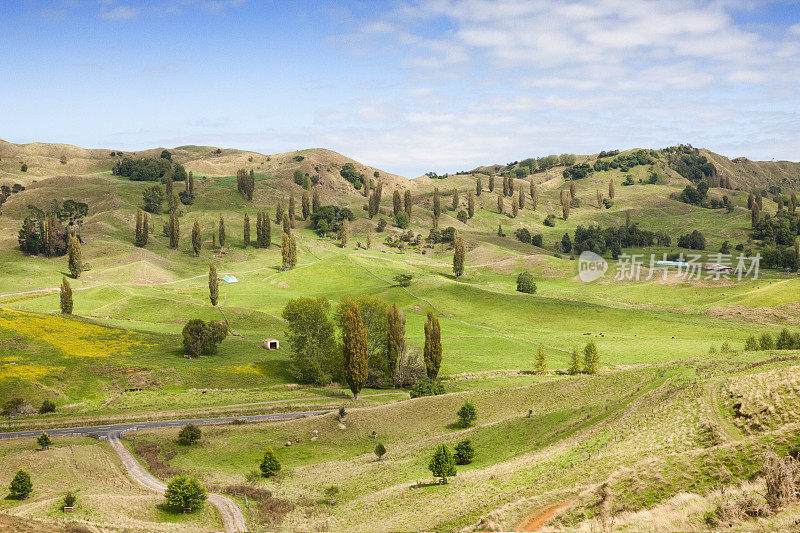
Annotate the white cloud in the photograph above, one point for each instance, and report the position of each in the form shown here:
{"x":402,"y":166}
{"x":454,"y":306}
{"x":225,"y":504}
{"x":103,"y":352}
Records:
{"x":120,"y":13}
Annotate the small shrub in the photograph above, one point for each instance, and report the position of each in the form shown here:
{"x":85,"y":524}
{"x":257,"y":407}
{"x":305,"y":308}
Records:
{"x":44,"y":441}
{"x":381,"y":225}
{"x":380,"y":450}
{"x":342,"y":412}
{"x":69,"y":499}
{"x":24,"y":167}
{"x":465,"y":453}
{"x":467,"y":414}
{"x":189,"y":435}
{"x":608,"y":203}
{"x":427,"y":387}
{"x":269,"y":464}
{"x":404,"y":280}
{"x":48,"y":406}
{"x":462,"y":216}
{"x":401,"y":220}
{"x":442,"y":464}
{"x":298,"y":158}
{"x":21,"y":485}
{"x":751,"y":344}
{"x":550,"y":221}
{"x":525,"y":283}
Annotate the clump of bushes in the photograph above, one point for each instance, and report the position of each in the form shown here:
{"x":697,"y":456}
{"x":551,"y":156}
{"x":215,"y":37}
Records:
{"x":525,"y":283}
{"x":427,"y":387}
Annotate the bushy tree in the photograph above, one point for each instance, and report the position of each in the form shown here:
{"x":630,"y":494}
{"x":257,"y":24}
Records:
{"x":66,"y":296}
{"x":185,"y":493}
{"x":766,"y":342}
{"x":380,"y":450}
{"x":202,"y":338}
{"x":784,"y":341}
{"x":270,"y":464}
{"x":575,"y":366}
{"x":442,"y":464}
{"x":44,"y":441}
{"x":751,"y":344}
{"x":354,"y":347}
{"x":153,"y":198}
{"x":591,"y":359}
{"x":311,"y":335}
{"x":525,"y":283}
{"x":541,"y":361}
{"x":467,"y":414}
{"x":21,"y":485}
{"x":48,"y":406}
{"x":432,"y":351}
{"x":401,"y":220}
{"x":465,"y":453}
{"x":426,"y":387}
{"x":189,"y":435}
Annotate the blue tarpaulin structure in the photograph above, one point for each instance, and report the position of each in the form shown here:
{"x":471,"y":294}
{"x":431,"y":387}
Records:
{"x":230,"y":279}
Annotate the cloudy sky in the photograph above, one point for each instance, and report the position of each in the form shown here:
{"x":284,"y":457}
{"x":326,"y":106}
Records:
{"x":408,"y":87}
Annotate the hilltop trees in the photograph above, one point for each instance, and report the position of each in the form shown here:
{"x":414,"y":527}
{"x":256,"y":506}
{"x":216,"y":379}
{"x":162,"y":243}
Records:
{"x":246,"y":230}
{"x":350,"y":173}
{"x":432,"y":352}
{"x":142,"y":229}
{"x":74,"y":261}
{"x":197,"y":239}
{"x":213,"y":284}
{"x":354,"y":347}
{"x":395,"y":338}
{"x":458,"y":256}
{"x":202,"y":338}
{"x":442,"y":464}
{"x":66,"y":296}
{"x":311,"y":335}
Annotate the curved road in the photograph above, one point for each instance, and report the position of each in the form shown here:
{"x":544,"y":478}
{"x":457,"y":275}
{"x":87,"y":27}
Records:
{"x":232,"y":518}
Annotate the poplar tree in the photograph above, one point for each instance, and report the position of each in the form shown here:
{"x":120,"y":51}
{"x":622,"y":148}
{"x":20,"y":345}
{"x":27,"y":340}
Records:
{"x":478,"y":186}
{"x":750,"y":200}
{"x":572,"y":189}
{"x":500,"y":207}
{"x":66,"y":296}
{"x":575,"y":366}
{"x":344,"y":233}
{"x":213,"y":284}
{"x":259,"y":227}
{"x":611,"y":189}
{"x":315,"y":205}
{"x":287,"y":226}
{"x":455,"y":199}
{"x":137,"y":239}
{"x":471,"y":205}
{"x":246,"y":230}
{"x":521,"y":198}
{"x":505,"y":185}
{"x":266,"y":231}
{"x":491,"y":183}
{"x":534,"y":196}
{"x":279,"y":213}
{"x":591,"y":359}
{"x":190,"y":184}
{"x":432,"y":352}
{"x":74,"y":262}
{"x":407,"y":203}
{"x":437,"y":206}
{"x":458,"y":256}
{"x":354,"y":348}
{"x":755,"y":215}
{"x":627,"y":218}
{"x":197,"y":239}
{"x":306,"y":206}
{"x":174,"y":230}
{"x":222,"y":237}
{"x":395,"y":339}
{"x":397,"y":202}
{"x":541,"y":361}
{"x":565,"y":199}
{"x":291,"y":210}
{"x":288,"y":251}
{"x":514,"y":207}
{"x":510,"y":186}
{"x":599,"y":199}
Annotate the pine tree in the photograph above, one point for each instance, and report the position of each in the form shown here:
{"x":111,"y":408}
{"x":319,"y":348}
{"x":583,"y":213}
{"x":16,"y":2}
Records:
{"x":222,"y":236}
{"x":246,"y":231}
{"x":21,"y":485}
{"x":591,"y":359}
{"x":491,"y":183}
{"x":442,"y":464}
{"x":397,"y":202}
{"x":305,"y":205}
{"x":611,"y":189}
{"x":541,"y":361}
{"x":437,"y":206}
{"x":315,"y":205}
{"x":455,"y":199}
{"x":575,"y":366}
{"x":266,"y":231}
{"x":478,"y":186}
{"x":521,"y":198}
{"x":458,"y":256}
{"x":291,"y":210}
{"x":514,"y":207}
{"x":74,"y":261}
{"x":213,"y":284}
{"x":174,"y":230}
{"x":269,"y":464}
{"x":471,"y":205}
{"x":432,"y":352}
{"x":197,"y":239}
{"x":395,"y":339}
{"x":750,"y":200}
{"x":66,"y":296}
{"x":500,"y":207}
{"x":354,"y":347}
{"x":407,"y":203}
{"x":534,"y":196}
{"x":344,"y":233}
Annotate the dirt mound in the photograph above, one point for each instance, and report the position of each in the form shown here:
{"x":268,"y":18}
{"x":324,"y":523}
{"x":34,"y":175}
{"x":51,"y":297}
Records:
{"x":788,"y":313}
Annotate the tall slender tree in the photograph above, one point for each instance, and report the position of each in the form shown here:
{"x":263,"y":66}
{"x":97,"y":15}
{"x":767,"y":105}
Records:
{"x":407,"y":203}
{"x":66,"y":296}
{"x":565,"y":204}
{"x":354,"y":348}
{"x":611,"y":189}
{"x":599,"y":199}
{"x":288,"y":251}
{"x":500,"y":206}
{"x":74,"y":261}
{"x":455,"y":199}
{"x":291,"y":210}
{"x":397,"y":202}
{"x":174,"y":230}
{"x":306,"y":205}
{"x":197,"y":239}
{"x":432,"y":352}
{"x":437,"y":203}
{"x":521,"y":198}
{"x":478,"y":186}
{"x":395,"y":339}
{"x":344,"y":233}
{"x":541,"y":361}
{"x":246,"y":230}
{"x":279,"y":213}
{"x":471,"y":205}
{"x":755,"y":215}
{"x":491,"y":183}
{"x":458,"y":256}
{"x":222,"y":236}
{"x":315,"y":205}
{"x":534,"y":196}
{"x":591,"y":359}
{"x":213,"y":284}
{"x":572,"y":189}
{"x":514,"y":207}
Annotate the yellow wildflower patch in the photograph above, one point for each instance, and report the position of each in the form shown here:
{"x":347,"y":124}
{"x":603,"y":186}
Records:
{"x":249,"y":368}
{"x":25,"y":371}
{"x":73,"y":337}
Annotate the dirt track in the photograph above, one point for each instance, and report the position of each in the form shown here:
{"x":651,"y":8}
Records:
{"x":232,"y":517}
{"x":538,"y":518}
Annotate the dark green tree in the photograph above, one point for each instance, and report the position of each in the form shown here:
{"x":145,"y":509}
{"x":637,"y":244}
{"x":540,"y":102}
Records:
{"x":437,"y":203}
{"x":407,"y":203}
{"x":246,"y":230}
{"x":66,"y":296}
{"x":397,"y":202}
{"x":432,"y":352}
{"x":442,"y":464}
{"x":189,"y":435}
{"x":315,"y":203}
{"x":213,"y":284}
{"x":465,"y":453}
{"x":395,"y":339}
{"x":197,"y":239}
{"x":21,"y":485}
{"x":311,"y":335}
{"x":269,"y":464}
{"x":222,"y":236}
{"x":380,"y":450}
{"x":467,"y":414}
{"x":458,"y":256}
{"x":174,"y":230}
{"x":202,"y":338}
{"x":306,"y":205}
{"x":44,"y":441}
{"x":74,"y":261}
{"x":591,"y":359}
{"x":185,"y":493}
{"x":153,"y":198}
{"x":355,"y":350}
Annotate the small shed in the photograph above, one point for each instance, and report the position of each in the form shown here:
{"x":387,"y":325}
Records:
{"x":271,"y":344}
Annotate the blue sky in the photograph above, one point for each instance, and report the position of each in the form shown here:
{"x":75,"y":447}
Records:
{"x":408,"y":87}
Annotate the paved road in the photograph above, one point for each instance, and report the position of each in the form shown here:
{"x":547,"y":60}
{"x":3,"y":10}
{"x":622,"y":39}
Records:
{"x":232,"y":518}
{"x":118,"y":429}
